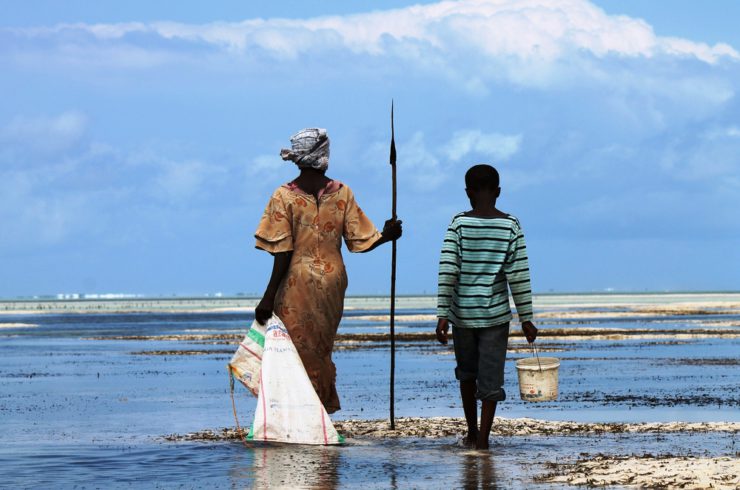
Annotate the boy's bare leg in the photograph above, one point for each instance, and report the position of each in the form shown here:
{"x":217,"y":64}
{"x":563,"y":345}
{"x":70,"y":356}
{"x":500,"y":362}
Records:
{"x":470,"y":407}
{"x":487,"y":411}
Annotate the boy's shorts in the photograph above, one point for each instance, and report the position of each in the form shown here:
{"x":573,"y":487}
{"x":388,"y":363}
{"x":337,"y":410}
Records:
{"x":480,"y":354}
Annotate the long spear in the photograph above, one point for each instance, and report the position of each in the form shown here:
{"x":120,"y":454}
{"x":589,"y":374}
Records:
{"x":393,"y":275}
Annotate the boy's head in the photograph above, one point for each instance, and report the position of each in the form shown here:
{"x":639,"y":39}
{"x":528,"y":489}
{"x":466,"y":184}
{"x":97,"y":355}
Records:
{"x":481,"y":177}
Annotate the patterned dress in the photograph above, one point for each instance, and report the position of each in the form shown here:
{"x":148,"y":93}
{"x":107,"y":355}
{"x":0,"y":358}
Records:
{"x":310,"y":299}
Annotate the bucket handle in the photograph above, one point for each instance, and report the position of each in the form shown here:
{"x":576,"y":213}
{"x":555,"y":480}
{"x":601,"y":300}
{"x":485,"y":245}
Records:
{"x":534,"y":350}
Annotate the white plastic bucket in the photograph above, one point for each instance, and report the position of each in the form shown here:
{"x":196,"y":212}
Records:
{"x":538,"y":378}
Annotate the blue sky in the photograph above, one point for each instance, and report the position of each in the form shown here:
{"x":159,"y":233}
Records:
{"x":139,"y":144}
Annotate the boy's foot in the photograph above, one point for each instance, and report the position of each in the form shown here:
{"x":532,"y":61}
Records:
{"x":470,"y":440}
{"x":487,"y":412}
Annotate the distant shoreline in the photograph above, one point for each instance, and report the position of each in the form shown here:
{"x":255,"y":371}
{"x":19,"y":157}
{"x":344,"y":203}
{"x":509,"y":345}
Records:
{"x":242,"y":297}
{"x":240,"y":304}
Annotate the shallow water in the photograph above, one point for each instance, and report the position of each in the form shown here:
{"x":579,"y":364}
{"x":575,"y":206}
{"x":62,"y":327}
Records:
{"x":90,"y":413}
{"x":512,"y":462}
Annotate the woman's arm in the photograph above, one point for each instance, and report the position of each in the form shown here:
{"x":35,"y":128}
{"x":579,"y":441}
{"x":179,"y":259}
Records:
{"x":263,"y":312}
{"x":392,"y":230}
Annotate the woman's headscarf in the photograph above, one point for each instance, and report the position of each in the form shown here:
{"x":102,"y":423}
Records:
{"x":309,"y":149}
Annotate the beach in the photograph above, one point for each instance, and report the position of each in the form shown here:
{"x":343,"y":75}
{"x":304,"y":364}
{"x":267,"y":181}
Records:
{"x":111,"y":393}
{"x":167,"y":167}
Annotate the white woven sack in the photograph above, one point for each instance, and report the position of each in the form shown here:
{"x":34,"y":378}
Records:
{"x":288,"y":408}
{"x":247,"y":361}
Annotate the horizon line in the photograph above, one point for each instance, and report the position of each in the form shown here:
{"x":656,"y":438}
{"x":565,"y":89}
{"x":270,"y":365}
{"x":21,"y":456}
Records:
{"x":238,"y":296}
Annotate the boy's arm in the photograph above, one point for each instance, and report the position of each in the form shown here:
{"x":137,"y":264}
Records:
{"x":449,"y":274}
{"x":516,"y":269}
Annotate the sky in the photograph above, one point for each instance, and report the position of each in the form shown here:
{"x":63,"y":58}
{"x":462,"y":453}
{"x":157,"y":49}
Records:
{"x":139,"y":141}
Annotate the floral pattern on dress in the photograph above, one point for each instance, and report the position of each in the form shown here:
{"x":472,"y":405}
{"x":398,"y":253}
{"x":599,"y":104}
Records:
{"x":310,"y":299}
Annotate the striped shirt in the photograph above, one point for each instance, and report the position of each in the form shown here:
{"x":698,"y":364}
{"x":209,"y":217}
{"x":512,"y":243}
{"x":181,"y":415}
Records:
{"x":480,"y":256}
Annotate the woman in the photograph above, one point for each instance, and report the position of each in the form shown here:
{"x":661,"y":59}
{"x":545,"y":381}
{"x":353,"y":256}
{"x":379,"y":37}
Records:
{"x":302,"y":227}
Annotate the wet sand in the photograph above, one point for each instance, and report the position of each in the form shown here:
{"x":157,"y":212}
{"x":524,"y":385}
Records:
{"x":562,"y":312}
{"x":649,"y":471}
{"x":550,"y":333}
{"x":440,"y":427}
{"x":18,"y":325}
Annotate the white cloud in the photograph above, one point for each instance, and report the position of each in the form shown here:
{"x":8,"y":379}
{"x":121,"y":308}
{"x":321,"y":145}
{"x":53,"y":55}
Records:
{"x":730,"y":132}
{"x":733,"y":132}
{"x":472,"y":141}
{"x":34,"y":213}
{"x":182,"y":180}
{"x":264,"y":165}
{"x":427,"y":166}
{"x":263,"y":173}
{"x":56,"y":186}
{"x":716,"y":161}
{"x":419,"y":164}
{"x":44,"y":133}
{"x":539,"y":31}
{"x":709,"y":159}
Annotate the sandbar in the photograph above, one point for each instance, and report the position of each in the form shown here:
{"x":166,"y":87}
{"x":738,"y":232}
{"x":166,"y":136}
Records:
{"x":438,"y":427}
{"x":649,"y":471}
{"x":18,"y":325}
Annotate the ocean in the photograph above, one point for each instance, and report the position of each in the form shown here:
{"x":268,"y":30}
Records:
{"x":86,"y":399}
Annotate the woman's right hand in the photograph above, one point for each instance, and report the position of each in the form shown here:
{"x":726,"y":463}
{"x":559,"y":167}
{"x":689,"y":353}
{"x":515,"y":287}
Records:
{"x":392,"y":230}
{"x":263,"y":311}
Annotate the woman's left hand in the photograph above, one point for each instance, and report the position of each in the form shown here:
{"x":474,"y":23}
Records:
{"x":392,"y":230}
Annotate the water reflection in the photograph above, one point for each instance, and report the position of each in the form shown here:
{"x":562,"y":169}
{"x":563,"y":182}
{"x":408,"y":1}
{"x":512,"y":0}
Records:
{"x":290,"y":466}
{"x":385,"y":464}
{"x":478,"y":470}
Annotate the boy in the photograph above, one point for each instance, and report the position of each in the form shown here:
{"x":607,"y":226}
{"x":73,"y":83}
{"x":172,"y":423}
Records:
{"x":483,"y":251}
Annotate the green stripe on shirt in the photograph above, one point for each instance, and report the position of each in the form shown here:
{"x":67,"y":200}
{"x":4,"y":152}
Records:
{"x":479,"y":257}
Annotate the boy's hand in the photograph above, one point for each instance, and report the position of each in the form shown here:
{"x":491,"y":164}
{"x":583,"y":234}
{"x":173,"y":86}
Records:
{"x":442,"y":327}
{"x":530,"y":331}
